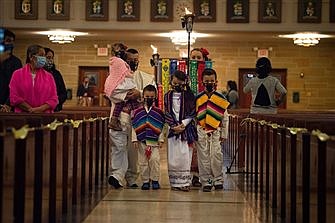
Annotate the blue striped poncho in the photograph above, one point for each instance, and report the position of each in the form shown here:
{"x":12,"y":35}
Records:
{"x":148,"y":125}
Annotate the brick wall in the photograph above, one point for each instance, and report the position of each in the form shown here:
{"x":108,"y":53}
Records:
{"x":316,"y":88}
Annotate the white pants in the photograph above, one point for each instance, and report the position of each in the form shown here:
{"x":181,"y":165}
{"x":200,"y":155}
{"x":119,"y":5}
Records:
{"x":210,"y":157}
{"x":179,"y":162}
{"x":123,"y":155}
{"x":149,"y":168}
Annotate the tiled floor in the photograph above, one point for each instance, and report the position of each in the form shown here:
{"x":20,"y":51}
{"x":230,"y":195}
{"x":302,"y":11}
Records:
{"x":164,"y":205}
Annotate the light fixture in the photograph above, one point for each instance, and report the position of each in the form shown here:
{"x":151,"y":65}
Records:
{"x":306,"y":39}
{"x":182,"y":40}
{"x":180,"y":37}
{"x":61,"y":36}
{"x":61,"y":39}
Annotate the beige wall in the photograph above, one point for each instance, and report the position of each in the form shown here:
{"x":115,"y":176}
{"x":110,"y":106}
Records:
{"x":317,"y":88}
{"x":317,"y":63}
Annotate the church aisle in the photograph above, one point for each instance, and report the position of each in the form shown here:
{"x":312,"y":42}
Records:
{"x":165,"y":205}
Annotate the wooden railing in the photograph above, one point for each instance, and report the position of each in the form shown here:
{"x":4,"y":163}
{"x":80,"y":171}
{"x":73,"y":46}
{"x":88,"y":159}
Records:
{"x":51,"y":164}
{"x":289,"y":160}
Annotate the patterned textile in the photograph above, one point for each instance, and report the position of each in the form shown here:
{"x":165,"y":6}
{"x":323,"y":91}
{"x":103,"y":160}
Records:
{"x":210,"y":111}
{"x":131,"y":105}
{"x":194,"y":76}
{"x":201,"y":68}
{"x":118,"y":71}
{"x":187,"y":110}
{"x":148,"y":125}
{"x":165,"y":74}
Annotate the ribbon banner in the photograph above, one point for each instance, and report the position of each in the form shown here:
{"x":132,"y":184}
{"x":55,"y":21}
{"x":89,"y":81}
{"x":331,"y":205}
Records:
{"x":160,"y":96}
{"x":194,"y":76}
{"x":165,"y":74}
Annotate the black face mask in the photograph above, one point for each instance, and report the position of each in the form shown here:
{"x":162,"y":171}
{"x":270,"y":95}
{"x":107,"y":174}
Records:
{"x":133,"y":65}
{"x":9,"y":47}
{"x":149,"y":101}
{"x":210,"y":87}
{"x":178,"y":88}
{"x":49,"y":65}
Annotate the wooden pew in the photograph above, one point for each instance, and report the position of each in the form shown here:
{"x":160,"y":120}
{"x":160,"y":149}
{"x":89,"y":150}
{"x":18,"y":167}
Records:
{"x":42,"y":166}
{"x":296,"y":172}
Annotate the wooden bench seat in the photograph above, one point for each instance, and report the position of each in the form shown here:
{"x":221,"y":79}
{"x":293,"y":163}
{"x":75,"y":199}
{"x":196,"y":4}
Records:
{"x":285,"y":167}
{"x":50,"y":171}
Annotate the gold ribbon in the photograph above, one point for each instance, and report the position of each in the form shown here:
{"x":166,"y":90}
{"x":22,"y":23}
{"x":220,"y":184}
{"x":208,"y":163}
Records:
{"x":21,"y":133}
{"x":54,"y":125}
{"x":91,"y":119}
{"x":295,"y":131}
{"x":74,"y":123}
{"x":263,"y":122}
{"x":247,"y":120}
{"x":321,"y":136}
{"x":274,"y":125}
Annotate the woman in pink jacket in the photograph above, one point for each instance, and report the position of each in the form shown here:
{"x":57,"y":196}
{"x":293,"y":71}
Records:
{"x":32,"y":89}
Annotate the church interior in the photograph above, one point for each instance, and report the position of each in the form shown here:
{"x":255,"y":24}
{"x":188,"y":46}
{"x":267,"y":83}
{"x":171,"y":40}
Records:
{"x":276,"y":168}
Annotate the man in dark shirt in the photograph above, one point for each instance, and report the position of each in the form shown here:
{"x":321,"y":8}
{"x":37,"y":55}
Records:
{"x":50,"y":66}
{"x":8,"y":64}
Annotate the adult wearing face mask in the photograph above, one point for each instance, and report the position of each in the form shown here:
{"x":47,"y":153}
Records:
{"x":8,"y":64}
{"x":263,"y":89}
{"x":60,"y":85}
{"x":123,"y":154}
{"x":33,"y":89}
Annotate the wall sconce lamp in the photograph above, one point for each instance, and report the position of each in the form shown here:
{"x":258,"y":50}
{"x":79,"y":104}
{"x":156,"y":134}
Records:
{"x":306,"y":39}
{"x":61,"y":36}
{"x":61,"y":39}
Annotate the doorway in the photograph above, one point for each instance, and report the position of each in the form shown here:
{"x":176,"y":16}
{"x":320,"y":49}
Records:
{"x":245,"y":74}
{"x":97,"y":77}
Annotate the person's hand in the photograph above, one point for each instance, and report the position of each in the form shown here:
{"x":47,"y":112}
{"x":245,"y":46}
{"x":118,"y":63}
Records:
{"x":179,"y":128}
{"x":160,"y":144}
{"x":36,"y":110}
{"x":133,"y":94}
{"x":4,"y":108}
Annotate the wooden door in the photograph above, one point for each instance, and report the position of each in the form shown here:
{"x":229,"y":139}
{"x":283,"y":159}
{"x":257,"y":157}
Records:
{"x":97,"y":76}
{"x":245,"y":74}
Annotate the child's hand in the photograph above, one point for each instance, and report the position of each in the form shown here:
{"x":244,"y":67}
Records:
{"x":179,"y":128}
{"x":136,"y":144}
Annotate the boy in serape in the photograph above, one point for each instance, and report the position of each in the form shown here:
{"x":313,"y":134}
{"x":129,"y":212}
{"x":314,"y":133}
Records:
{"x":179,"y":105}
{"x":212,"y":119}
{"x":119,"y":81}
{"x":148,"y":123}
